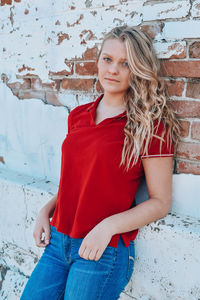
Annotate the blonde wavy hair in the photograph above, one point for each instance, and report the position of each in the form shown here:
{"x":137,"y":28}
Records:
{"x":146,"y":97}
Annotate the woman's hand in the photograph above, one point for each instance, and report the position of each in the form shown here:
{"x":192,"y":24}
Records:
{"x":42,"y":225}
{"x":96,"y":241}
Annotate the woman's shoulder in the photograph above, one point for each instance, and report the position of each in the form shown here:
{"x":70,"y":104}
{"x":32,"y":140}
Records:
{"x":81,"y":108}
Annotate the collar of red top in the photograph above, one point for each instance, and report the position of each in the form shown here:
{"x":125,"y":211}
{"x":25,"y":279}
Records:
{"x":94,"y":104}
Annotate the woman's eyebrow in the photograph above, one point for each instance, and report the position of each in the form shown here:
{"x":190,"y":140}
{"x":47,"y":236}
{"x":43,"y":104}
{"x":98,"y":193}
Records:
{"x":121,"y":58}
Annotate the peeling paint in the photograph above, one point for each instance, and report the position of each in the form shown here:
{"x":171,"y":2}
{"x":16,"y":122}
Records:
{"x":75,"y":23}
{"x":57,"y":22}
{"x":88,"y":3}
{"x":169,"y":10}
{"x":11,"y":16}
{"x":3,"y":271}
{"x":62,"y":36}
{"x":2,"y":160}
{"x":25,"y":68}
{"x":163,"y":257}
{"x":54,"y":44}
{"x":156,"y":11}
{"x":87,"y":34}
{"x":44,"y":54}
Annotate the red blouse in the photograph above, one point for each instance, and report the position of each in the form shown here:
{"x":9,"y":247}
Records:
{"x":92,"y":185}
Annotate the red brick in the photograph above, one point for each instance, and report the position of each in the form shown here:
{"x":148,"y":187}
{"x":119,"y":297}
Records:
{"x":26,"y":84}
{"x":53,"y":86}
{"x":181,"y":68}
{"x":68,"y":71}
{"x":185,"y":128}
{"x":90,"y":54}
{"x":59,"y":74}
{"x":17,"y":85}
{"x":177,"y":47}
{"x":175,"y":88}
{"x":195,"y":130}
{"x":27,"y":75}
{"x":188,"y":167}
{"x":78,"y":84}
{"x":36,"y":84}
{"x":3,"y":2}
{"x":14,"y":85}
{"x":152,"y":30}
{"x":86,"y":68}
{"x":186,"y":108}
{"x":194,"y":50}
{"x":52,"y":98}
{"x":188,"y":151}
{"x":193,"y":90}
{"x":31,"y":94}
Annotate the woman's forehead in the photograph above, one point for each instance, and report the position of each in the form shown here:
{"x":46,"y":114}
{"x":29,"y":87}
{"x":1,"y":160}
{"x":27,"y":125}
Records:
{"x":114,"y":47}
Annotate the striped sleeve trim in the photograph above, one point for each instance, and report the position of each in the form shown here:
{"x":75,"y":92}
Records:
{"x":157,"y":155}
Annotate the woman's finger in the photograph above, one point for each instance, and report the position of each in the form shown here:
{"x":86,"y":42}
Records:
{"x":47,"y":235}
{"x":85,"y":253}
{"x":92,"y":254}
{"x":38,"y":239}
{"x":98,"y":254}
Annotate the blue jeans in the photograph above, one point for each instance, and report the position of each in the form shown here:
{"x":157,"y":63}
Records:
{"x":61,"y":274}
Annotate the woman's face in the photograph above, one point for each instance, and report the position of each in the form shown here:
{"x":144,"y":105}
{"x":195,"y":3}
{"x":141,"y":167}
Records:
{"x":113,"y":69}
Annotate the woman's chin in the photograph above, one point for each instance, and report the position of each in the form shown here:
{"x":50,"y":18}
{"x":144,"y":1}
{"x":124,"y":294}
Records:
{"x":111,"y":89}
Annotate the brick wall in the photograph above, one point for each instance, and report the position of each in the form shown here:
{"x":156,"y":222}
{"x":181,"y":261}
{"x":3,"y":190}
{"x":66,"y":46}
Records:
{"x":49,"y":51}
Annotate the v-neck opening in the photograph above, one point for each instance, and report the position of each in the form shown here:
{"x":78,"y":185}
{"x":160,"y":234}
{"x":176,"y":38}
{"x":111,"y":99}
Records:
{"x":114,"y":117}
{"x":93,"y":113}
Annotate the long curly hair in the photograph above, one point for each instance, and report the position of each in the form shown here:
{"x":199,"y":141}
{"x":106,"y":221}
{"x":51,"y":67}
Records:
{"x":146,"y":97}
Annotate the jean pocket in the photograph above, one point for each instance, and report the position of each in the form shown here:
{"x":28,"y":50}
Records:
{"x":131,"y":260}
{"x":52,"y":228}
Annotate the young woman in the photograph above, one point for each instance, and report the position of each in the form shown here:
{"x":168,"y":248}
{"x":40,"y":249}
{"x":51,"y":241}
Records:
{"x":127,"y":133}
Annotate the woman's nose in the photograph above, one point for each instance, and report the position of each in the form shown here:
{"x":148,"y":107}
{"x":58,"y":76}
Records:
{"x":113,"y":68}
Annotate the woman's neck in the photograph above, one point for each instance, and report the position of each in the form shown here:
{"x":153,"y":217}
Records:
{"x":113,"y":101}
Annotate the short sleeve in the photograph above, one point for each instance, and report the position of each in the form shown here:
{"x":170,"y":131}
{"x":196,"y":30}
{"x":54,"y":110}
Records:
{"x":69,"y":121}
{"x":158,"y":147}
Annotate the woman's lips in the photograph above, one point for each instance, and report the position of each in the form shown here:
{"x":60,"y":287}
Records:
{"x":113,"y":80}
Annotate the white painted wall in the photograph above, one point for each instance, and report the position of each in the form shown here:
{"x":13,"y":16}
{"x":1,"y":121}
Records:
{"x":31,"y":133}
{"x":167,"y":264}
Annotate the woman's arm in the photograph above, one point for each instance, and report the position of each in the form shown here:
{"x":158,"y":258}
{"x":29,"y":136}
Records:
{"x":42,"y":224}
{"x":158,"y":173}
{"x":50,"y":207}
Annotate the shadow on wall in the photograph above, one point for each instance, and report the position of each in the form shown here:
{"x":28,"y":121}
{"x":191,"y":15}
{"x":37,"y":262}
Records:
{"x":142,"y":193}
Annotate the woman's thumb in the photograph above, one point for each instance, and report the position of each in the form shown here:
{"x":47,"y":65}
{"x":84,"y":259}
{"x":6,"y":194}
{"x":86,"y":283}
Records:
{"x":47,"y":235}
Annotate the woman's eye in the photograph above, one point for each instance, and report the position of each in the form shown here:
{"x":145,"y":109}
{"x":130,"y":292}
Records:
{"x":107,"y":59}
{"x":125,"y":64}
